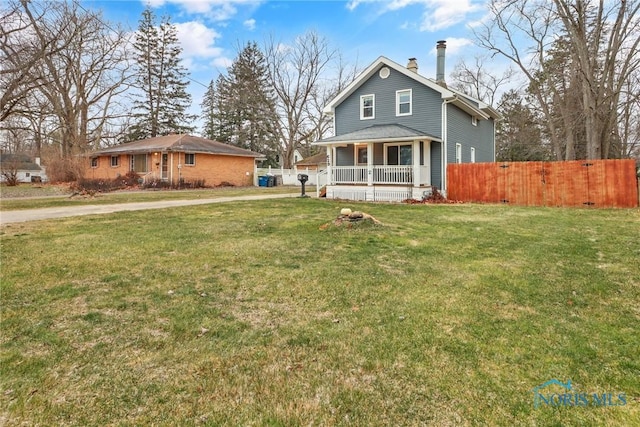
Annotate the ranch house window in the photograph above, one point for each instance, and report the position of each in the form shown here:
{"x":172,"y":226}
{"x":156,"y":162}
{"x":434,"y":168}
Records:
{"x":94,"y":162}
{"x":190,"y":159}
{"x":139,"y":163}
{"x":367,"y":107}
{"x":403,"y":102}
{"x":115,"y":161}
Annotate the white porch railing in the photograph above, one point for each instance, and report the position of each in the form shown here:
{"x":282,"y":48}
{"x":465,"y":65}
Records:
{"x":349,"y":175}
{"x":381,"y":174}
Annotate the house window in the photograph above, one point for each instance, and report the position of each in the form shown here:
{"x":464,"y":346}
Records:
{"x":474,"y":120}
{"x":367,"y":107}
{"x":190,"y":159}
{"x":403,"y":102}
{"x":139,"y":163}
{"x":473,"y":155}
{"x":115,"y":161}
{"x":94,"y":162}
{"x":458,"y":153}
{"x":362,"y":155}
{"x":399,"y":155}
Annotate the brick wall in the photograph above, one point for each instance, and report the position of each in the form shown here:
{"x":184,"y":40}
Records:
{"x":214,"y":169}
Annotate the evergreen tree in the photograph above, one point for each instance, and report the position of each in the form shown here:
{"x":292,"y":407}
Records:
{"x":161,"y":80}
{"x":247,"y":112}
{"x":519,"y":134}
{"x":209,"y":115}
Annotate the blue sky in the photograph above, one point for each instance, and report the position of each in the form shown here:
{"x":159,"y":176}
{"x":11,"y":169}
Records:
{"x":210,"y":31}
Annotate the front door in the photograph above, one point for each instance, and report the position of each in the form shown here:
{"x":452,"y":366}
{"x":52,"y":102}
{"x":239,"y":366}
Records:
{"x":164,"y":167}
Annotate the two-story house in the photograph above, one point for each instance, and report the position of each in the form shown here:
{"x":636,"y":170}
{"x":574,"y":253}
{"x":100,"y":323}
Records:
{"x":395,"y":132}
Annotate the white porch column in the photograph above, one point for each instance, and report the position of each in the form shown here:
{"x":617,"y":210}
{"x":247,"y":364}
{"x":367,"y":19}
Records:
{"x":427,"y":163}
{"x":329,"y":164}
{"x":370,"y":164}
{"x":415,"y":151}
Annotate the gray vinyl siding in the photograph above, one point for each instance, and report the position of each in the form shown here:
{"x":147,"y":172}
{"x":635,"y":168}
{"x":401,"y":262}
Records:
{"x":345,"y":156}
{"x":461,"y":131}
{"x":436,"y":165}
{"x":426,"y":106}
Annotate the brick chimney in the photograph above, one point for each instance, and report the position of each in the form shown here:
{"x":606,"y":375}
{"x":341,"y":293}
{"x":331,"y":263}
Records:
{"x":412,"y":65}
{"x":440,"y":48}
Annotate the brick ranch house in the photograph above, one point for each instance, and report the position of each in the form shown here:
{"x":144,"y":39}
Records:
{"x":176,"y":158}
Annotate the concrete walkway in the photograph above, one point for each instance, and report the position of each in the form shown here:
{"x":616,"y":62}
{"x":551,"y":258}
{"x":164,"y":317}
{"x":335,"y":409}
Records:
{"x":9,"y":217}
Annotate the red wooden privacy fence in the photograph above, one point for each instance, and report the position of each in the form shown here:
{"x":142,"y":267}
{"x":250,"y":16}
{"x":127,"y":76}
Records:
{"x":598,"y":183}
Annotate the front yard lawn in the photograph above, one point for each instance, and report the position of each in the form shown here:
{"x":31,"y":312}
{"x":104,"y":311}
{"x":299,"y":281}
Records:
{"x":265,"y":313}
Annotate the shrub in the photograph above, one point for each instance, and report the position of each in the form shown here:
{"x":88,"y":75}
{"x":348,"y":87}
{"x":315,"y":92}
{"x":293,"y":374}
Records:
{"x":130,"y":180}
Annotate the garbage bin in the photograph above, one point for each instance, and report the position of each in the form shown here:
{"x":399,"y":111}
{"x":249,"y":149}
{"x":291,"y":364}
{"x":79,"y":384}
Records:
{"x":263,"y":181}
{"x":271,"y":182}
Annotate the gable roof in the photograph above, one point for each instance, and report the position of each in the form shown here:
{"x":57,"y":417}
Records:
{"x":178,"y":143}
{"x":378,"y":133}
{"x":21,"y":162}
{"x":316,"y":159}
{"x":464,"y":102}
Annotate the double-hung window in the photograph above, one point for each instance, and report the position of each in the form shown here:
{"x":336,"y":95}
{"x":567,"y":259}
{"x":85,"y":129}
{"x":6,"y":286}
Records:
{"x":403,"y":102}
{"x":458,"y":153}
{"x":94,"y":162}
{"x":115,"y":161}
{"x":367,"y":107}
{"x":190,"y":159}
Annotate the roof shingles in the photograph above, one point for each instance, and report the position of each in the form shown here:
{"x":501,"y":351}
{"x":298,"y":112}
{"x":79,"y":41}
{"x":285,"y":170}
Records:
{"x":181,"y":143}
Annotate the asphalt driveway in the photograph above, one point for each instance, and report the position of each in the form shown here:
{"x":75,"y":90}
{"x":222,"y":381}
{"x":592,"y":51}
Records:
{"x":9,"y":217}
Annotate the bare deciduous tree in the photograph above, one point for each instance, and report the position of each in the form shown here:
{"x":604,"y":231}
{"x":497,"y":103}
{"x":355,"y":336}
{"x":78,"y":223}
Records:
{"x":76,"y":69}
{"x":303,"y":80}
{"x":20,"y":51}
{"x":602,"y":49}
{"x":477,"y":81}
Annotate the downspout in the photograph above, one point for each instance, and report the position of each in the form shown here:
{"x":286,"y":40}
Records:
{"x":444,"y":144}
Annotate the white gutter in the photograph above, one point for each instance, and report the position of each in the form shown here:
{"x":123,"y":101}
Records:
{"x":445,"y":137}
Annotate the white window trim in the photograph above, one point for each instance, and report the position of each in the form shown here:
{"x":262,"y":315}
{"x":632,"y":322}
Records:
{"x":398,"y":92}
{"x":395,"y":144}
{"x":458,"y":153}
{"x":194,"y":159}
{"x":474,"y":120}
{"x":357,"y":149}
{"x":473,"y":155}
{"x":373,"y":107}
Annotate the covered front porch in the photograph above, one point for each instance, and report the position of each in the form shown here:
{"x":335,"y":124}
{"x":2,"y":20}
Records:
{"x":394,"y":164}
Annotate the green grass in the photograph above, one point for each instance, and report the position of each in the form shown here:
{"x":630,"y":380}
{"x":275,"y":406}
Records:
{"x":256,"y":313}
{"x":16,"y":198}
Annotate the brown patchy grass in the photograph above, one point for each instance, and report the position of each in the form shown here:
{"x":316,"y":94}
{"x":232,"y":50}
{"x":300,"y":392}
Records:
{"x":251,"y":314}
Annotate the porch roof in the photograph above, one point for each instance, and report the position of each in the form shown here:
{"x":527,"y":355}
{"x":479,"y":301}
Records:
{"x":378,"y":133}
{"x":180,"y":143}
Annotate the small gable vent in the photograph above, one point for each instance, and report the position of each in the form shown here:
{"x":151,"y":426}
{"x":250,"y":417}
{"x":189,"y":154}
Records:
{"x":384,"y":72}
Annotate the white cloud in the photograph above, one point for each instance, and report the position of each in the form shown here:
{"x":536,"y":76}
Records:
{"x":250,"y":24}
{"x":455,"y":45}
{"x":217,"y":10}
{"x":222,"y":62}
{"x":441,"y":14}
{"x":437,"y":14}
{"x":197,"y":40}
